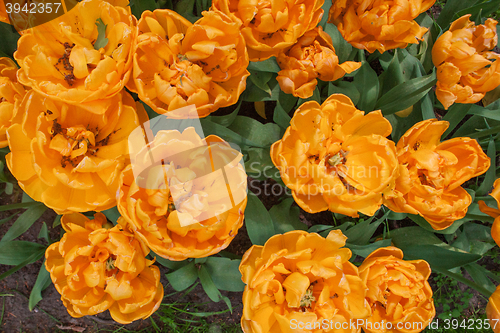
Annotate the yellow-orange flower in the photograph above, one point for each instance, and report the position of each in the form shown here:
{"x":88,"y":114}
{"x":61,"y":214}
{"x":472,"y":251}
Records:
{"x":493,"y":310}
{"x":301,"y":277}
{"x":4,"y":17}
{"x":67,"y":157}
{"x":379,"y":24}
{"x":174,"y":194}
{"x":493,"y":212}
{"x":432,"y":172}
{"x":177,"y":63}
{"x":11,"y":94}
{"x":334,"y":157}
{"x":313,"y":56}
{"x":96,"y":267}
{"x":398,"y":292}
{"x":59,"y":59}
{"x":270,"y":27}
{"x":466,"y":66}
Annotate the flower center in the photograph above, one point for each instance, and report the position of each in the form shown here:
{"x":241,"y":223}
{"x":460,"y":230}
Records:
{"x":74,"y":143}
{"x":110,"y":264}
{"x":66,"y":69}
{"x":308,"y":298}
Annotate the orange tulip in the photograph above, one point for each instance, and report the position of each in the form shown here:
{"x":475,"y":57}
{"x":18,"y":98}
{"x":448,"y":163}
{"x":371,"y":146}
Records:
{"x":493,"y":310}
{"x":301,"y":279}
{"x":313,"y":56}
{"x":11,"y":94}
{"x":432,"y":172}
{"x":379,"y":24}
{"x":466,"y":66}
{"x":69,"y":60}
{"x":177,"y":63}
{"x":398,"y":292}
{"x":270,"y":27}
{"x":4,"y":17}
{"x":96,"y":267}
{"x":493,"y":212}
{"x":69,"y":158}
{"x":176,"y":202}
{"x":334,"y":157}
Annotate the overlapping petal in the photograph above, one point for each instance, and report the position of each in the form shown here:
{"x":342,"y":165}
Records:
{"x":67,"y":157}
{"x":11,"y":94}
{"x":398,"y":292}
{"x":432,"y":172}
{"x":96,"y":267}
{"x":59,"y":59}
{"x":177,"y":63}
{"x":335,"y":157}
{"x":312,"y":57}
{"x":466,"y":66}
{"x":270,"y":27}
{"x":301,"y":277}
{"x":493,"y":310}
{"x":493,"y":212}
{"x":379,"y":24}
{"x":184,"y":196}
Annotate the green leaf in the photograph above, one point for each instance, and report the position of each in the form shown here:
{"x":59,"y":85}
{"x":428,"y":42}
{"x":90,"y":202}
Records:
{"x":172,"y":265}
{"x":31,"y":259}
{"x":439,"y":257}
{"x":285,"y":217}
{"x":268,"y":65}
{"x":456,"y":113}
{"x":57,"y":221}
{"x":361,"y":233}
{"x":210,"y":288}
{"x":101,"y":40}
{"x":253,"y":93}
{"x":227,"y":119}
{"x":280,"y":116}
{"x":484,"y":112}
{"x":412,"y":236}
{"x":392,"y":76}
{"x":225,"y":273}
{"x":260,"y":79}
{"x":260,"y":166}
{"x":7,"y":219}
{"x":258,"y":221}
{"x":19,"y":205}
{"x":15,"y":252}
{"x":184,"y":277}
{"x":9,"y":39}
{"x":24,"y":222}
{"x":42,"y":282}
{"x":262,"y":135}
{"x":485,"y":292}
{"x":365,"y":250}
{"x":320,"y":227}
{"x":44,"y":232}
{"x":343,"y":87}
{"x":366,"y":81}
{"x":406,"y":94}
{"x":342,"y":47}
{"x":139,"y":6}
{"x":479,"y":275}
{"x":481,"y":9}
{"x":112,"y":214}
{"x":490,"y":175}
{"x":450,"y":9}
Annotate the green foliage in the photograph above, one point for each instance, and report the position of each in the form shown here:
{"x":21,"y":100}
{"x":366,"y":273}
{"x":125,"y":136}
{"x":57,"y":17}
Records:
{"x":449,"y":295}
{"x":101,"y":40}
